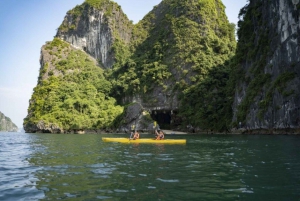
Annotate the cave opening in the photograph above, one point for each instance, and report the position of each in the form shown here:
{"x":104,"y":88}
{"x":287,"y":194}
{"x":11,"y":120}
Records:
{"x":164,"y":118}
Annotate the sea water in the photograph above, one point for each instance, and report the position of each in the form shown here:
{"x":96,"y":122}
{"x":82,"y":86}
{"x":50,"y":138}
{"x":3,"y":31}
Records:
{"x":208,"y":167}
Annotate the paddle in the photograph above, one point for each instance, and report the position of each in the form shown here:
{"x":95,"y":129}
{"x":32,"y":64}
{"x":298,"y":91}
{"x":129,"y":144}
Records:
{"x":132,"y":131}
{"x":155,"y":129}
{"x":160,"y":135}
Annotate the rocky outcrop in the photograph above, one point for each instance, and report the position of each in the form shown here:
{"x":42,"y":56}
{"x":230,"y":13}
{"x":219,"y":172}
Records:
{"x":42,"y":127}
{"x":50,"y":58}
{"x":151,"y":66}
{"x":267,"y":96}
{"x":178,"y":44}
{"x":95,"y":30}
{"x":6,"y":124}
{"x":139,"y":117}
{"x":71,"y":95}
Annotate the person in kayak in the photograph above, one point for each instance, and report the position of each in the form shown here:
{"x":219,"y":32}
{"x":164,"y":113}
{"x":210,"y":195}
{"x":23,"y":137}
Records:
{"x":136,"y":135}
{"x":132,"y":131}
{"x":160,"y":135}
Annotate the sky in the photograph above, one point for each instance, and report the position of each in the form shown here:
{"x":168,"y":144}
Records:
{"x":25,"y":26}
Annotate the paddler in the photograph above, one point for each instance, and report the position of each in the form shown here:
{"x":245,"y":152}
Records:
{"x":132,"y":131}
{"x":160,"y":135}
{"x":136,"y":135}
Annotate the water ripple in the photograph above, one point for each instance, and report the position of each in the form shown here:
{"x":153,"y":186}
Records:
{"x":83,"y":167}
{"x":168,"y":180}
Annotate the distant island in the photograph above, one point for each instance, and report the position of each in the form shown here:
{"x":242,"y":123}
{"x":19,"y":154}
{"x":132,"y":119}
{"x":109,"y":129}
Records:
{"x":6,"y":124}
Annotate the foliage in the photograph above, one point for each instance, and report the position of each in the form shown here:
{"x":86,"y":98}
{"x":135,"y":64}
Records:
{"x":109,"y":7}
{"x":253,"y":51}
{"x":208,"y":103}
{"x":252,"y":91}
{"x":78,"y":99}
{"x":280,"y":85}
{"x":6,"y":123}
{"x":185,"y":43}
{"x":180,"y":47}
{"x":282,"y":79}
{"x":250,"y":60}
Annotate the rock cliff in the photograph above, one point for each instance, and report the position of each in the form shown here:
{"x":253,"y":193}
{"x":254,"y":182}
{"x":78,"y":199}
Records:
{"x":177,"y":47}
{"x":267,"y":95}
{"x":158,"y":64}
{"x":96,"y":28}
{"x":72,"y":94}
{"x":6,"y":124}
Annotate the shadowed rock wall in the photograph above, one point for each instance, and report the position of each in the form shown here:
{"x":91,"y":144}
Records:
{"x":273,"y":57}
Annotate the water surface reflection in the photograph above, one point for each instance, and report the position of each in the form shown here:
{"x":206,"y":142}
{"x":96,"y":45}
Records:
{"x":82,"y":167}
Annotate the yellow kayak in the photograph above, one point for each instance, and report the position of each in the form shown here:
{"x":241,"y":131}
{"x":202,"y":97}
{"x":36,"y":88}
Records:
{"x":145,"y":140}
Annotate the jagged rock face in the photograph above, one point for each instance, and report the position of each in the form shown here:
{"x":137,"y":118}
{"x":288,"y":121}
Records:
{"x":170,"y":51}
{"x":95,"y":32}
{"x":272,"y":63}
{"x":177,"y":50}
{"x":6,"y":124}
{"x":138,"y":116}
{"x":49,"y":59}
{"x":42,"y":127}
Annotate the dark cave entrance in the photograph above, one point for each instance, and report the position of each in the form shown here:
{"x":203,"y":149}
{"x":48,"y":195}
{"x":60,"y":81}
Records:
{"x":164,"y":118}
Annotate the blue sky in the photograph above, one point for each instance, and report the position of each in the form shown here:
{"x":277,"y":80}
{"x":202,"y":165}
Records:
{"x":25,"y":26}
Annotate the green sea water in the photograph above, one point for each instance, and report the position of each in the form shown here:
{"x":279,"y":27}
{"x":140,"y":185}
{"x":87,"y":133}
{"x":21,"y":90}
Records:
{"x":208,"y":167}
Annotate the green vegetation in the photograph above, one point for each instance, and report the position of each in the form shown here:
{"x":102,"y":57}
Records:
{"x":253,"y":47}
{"x":208,"y":104}
{"x":279,"y":84}
{"x":6,"y":124}
{"x":109,"y":7}
{"x":252,"y":52}
{"x":180,"y":47}
{"x":181,"y":50}
{"x":77,"y":99}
